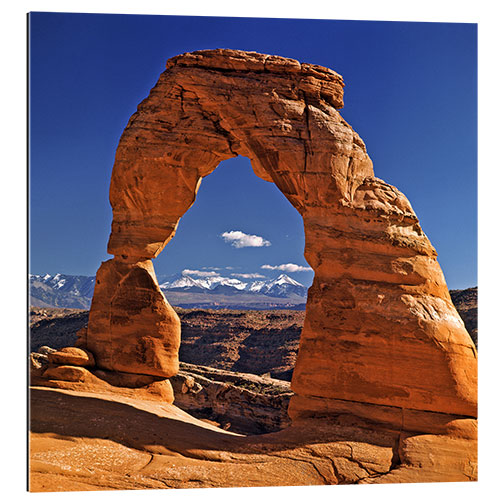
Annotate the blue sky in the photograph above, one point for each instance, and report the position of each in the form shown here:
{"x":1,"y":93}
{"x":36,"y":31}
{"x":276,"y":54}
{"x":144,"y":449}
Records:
{"x":410,"y":93}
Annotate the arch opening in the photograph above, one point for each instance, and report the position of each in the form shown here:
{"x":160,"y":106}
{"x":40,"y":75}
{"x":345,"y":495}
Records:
{"x":241,"y":301}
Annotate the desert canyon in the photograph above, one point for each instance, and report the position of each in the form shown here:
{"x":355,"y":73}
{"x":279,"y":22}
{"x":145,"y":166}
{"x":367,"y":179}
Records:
{"x":384,"y":387}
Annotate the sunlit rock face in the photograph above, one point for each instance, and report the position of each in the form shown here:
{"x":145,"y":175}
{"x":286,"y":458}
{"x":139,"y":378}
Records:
{"x":380,"y":326}
{"x":132,"y":328}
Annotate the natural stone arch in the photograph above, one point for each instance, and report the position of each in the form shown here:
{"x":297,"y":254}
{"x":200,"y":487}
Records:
{"x":380,"y":326}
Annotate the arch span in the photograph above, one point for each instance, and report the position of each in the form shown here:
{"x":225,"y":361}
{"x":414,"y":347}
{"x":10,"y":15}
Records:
{"x":380,"y":325}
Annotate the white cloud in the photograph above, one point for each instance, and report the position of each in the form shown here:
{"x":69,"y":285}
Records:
{"x":248,"y":276}
{"x":289,"y":268}
{"x":200,"y":274}
{"x":239,"y":239}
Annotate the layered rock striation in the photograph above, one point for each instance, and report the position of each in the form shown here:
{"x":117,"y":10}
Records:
{"x":380,"y":328}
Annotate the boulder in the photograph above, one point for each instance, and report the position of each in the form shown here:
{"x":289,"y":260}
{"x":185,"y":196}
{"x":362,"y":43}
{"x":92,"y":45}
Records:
{"x":45,"y":350}
{"x":66,"y":373}
{"x":71,"y":356}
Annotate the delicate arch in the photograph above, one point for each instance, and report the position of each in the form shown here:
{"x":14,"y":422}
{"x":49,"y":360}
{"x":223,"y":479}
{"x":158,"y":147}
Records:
{"x":380,"y":326}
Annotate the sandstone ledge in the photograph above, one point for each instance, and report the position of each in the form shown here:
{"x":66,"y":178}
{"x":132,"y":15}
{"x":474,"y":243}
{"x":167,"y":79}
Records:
{"x":80,"y":379}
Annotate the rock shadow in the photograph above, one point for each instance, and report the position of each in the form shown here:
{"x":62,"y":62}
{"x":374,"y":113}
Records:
{"x":76,"y":416}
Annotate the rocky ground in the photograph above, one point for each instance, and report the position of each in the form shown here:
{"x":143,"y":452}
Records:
{"x":260,"y":342}
{"x":241,"y":402}
{"x":92,"y":435}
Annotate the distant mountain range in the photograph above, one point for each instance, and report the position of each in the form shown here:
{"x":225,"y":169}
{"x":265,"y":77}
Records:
{"x":181,"y":290}
{"x":282,"y":286}
{"x":61,"y":290}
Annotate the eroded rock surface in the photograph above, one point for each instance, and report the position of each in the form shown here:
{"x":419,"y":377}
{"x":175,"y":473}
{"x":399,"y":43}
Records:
{"x":88,"y":440}
{"x":132,"y":328}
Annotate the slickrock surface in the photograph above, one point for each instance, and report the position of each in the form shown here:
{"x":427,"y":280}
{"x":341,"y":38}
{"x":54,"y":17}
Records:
{"x":244,"y":402}
{"x":97,"y":429}
{"x":83,"y":440}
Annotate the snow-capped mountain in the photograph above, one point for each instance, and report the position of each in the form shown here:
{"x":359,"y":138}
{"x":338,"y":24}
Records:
{"x":61,"y":290}
{"x":208,"y":283}
{"x":282,"y":286}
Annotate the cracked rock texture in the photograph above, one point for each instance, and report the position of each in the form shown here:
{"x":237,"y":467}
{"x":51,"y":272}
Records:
{"x":101,"y":437}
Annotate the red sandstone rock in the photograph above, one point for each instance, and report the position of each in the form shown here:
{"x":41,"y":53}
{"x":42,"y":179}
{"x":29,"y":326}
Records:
{"x":380,"y":326}
{"x":72,"y":356}
{"x":131,"y":327}
{"x":66,"y":373}
{"x":78,"y":378}
{"x":81,"y":337}
{"x":88,"y":441}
